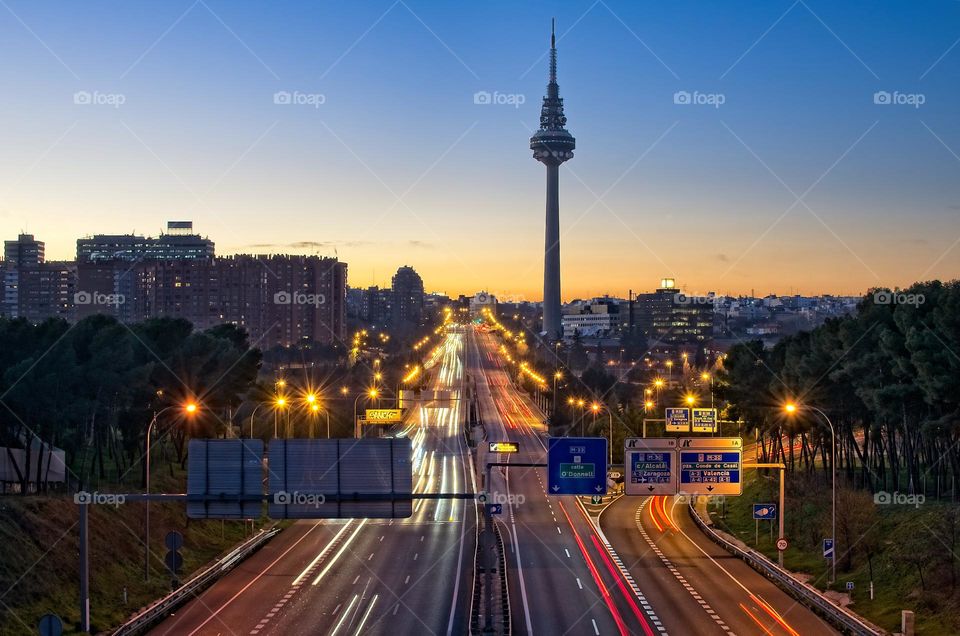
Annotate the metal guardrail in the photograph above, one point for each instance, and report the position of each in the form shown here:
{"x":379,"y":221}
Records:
{"x":198,"y":582}
{"x":841,"y":618}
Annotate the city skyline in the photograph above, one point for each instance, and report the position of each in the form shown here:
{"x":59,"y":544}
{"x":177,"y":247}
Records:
{"x":198,"y":135}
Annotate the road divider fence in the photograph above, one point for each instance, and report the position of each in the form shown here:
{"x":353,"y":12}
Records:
{"x":841,"y":618}
{"x":159,"y":610}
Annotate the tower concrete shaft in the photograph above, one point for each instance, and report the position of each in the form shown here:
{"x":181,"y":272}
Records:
{"x":552,"y":144}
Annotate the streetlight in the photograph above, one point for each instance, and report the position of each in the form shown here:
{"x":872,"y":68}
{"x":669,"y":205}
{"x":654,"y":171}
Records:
{"x":791,"y":409}
{"x":690,"y":399}
{"x":372,"y":393}
{"x":707,"y":377}
{"x":279,"y":402}
{"x":556,"y":376}
{"x":189,"y":408}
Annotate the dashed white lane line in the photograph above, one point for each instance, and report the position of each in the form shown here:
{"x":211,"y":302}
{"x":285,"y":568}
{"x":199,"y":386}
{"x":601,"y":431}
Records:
{"x":596,"y":630}
{"x":644,"y":603}
{"x":567,"y":551}
{"x":579,"y":584}
{"x":676,"y":573}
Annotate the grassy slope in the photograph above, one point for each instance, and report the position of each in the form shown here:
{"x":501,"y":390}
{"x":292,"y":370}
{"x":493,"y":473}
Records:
{"x":896,"y":586}
{"x":39,"y":562}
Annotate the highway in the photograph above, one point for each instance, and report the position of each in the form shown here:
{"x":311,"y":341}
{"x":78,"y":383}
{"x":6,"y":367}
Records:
{"x":696,"y":585}
{"x":375,"y":576}
{"x":562,"y":579}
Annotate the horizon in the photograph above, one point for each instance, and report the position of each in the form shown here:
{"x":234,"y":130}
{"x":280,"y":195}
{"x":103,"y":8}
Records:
{"x":793,"y":179}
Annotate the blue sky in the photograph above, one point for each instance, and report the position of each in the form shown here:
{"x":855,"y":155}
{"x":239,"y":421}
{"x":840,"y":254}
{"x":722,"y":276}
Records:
{"x":797,"y":182}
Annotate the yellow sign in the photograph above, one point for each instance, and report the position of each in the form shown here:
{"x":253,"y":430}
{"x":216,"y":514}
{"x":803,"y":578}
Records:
{"x":384,"y":416}
{"x":504,"y":447}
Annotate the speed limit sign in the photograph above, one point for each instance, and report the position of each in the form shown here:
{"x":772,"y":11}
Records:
{"x":782,"y":544}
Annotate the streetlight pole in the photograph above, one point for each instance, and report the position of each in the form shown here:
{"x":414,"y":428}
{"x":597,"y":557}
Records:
{"x":833,"y":466}
{"x":251,"y":417}
{"x":791,"y":408}
{"x":146,"y":524}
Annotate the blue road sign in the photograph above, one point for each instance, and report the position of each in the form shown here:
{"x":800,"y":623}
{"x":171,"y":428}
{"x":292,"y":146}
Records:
{"x":764,"y":511}
{"x":495,"y":509}
{"x":710,"y":466}
{"x":577,"y":466}
{"x":677,"y":420}
{"x":828,"y":548}
{"x":850,"y":585}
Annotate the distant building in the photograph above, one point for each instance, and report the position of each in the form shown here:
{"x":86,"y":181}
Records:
{"x":279,"y":300}
{"x":668,"y":316}
{"x":178,"y":243}
{"x":32,"y":287}
{"x":408,"y":297}
{"x":591,"y":320}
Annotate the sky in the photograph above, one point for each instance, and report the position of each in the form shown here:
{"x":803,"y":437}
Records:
{"x":757,"y":147}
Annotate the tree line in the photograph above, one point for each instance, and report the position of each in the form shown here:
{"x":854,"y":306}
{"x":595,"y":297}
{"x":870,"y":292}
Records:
{"x":887,"y":376}
{"x":92,"y":387}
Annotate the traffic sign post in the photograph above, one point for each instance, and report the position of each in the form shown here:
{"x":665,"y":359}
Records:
{"x":650,"y":466}
{"x":677,"y":420}
{"x":710,"y":466}
{"x":765,"y":511}
{"x":704,"y":420}
{"x":828,"y":548}
{"x":577,"y":466}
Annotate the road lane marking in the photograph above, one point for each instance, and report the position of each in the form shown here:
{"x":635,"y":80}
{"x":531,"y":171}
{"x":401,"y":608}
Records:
{"x":340,"y":552}
{"x":306,"y":571}
{"x":254,"y":579}
{"x":579,"y":584}
{"x":673,"y":570}
{"x":595,"y":629}
{"x":346,"y":613}
{"x":366,"y":615}
{"x":567,"y":551}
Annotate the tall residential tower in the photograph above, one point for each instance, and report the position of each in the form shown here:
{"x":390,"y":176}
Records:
{"x":551,"y":146}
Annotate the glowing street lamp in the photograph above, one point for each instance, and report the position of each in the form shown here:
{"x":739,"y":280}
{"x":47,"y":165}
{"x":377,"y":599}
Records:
{"x":189,"y":408}
{"x":792,"y":408}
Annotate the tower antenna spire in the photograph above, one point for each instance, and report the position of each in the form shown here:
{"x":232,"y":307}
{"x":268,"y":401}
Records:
{"x":552,"y":145}
{"x":553,"y":51}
